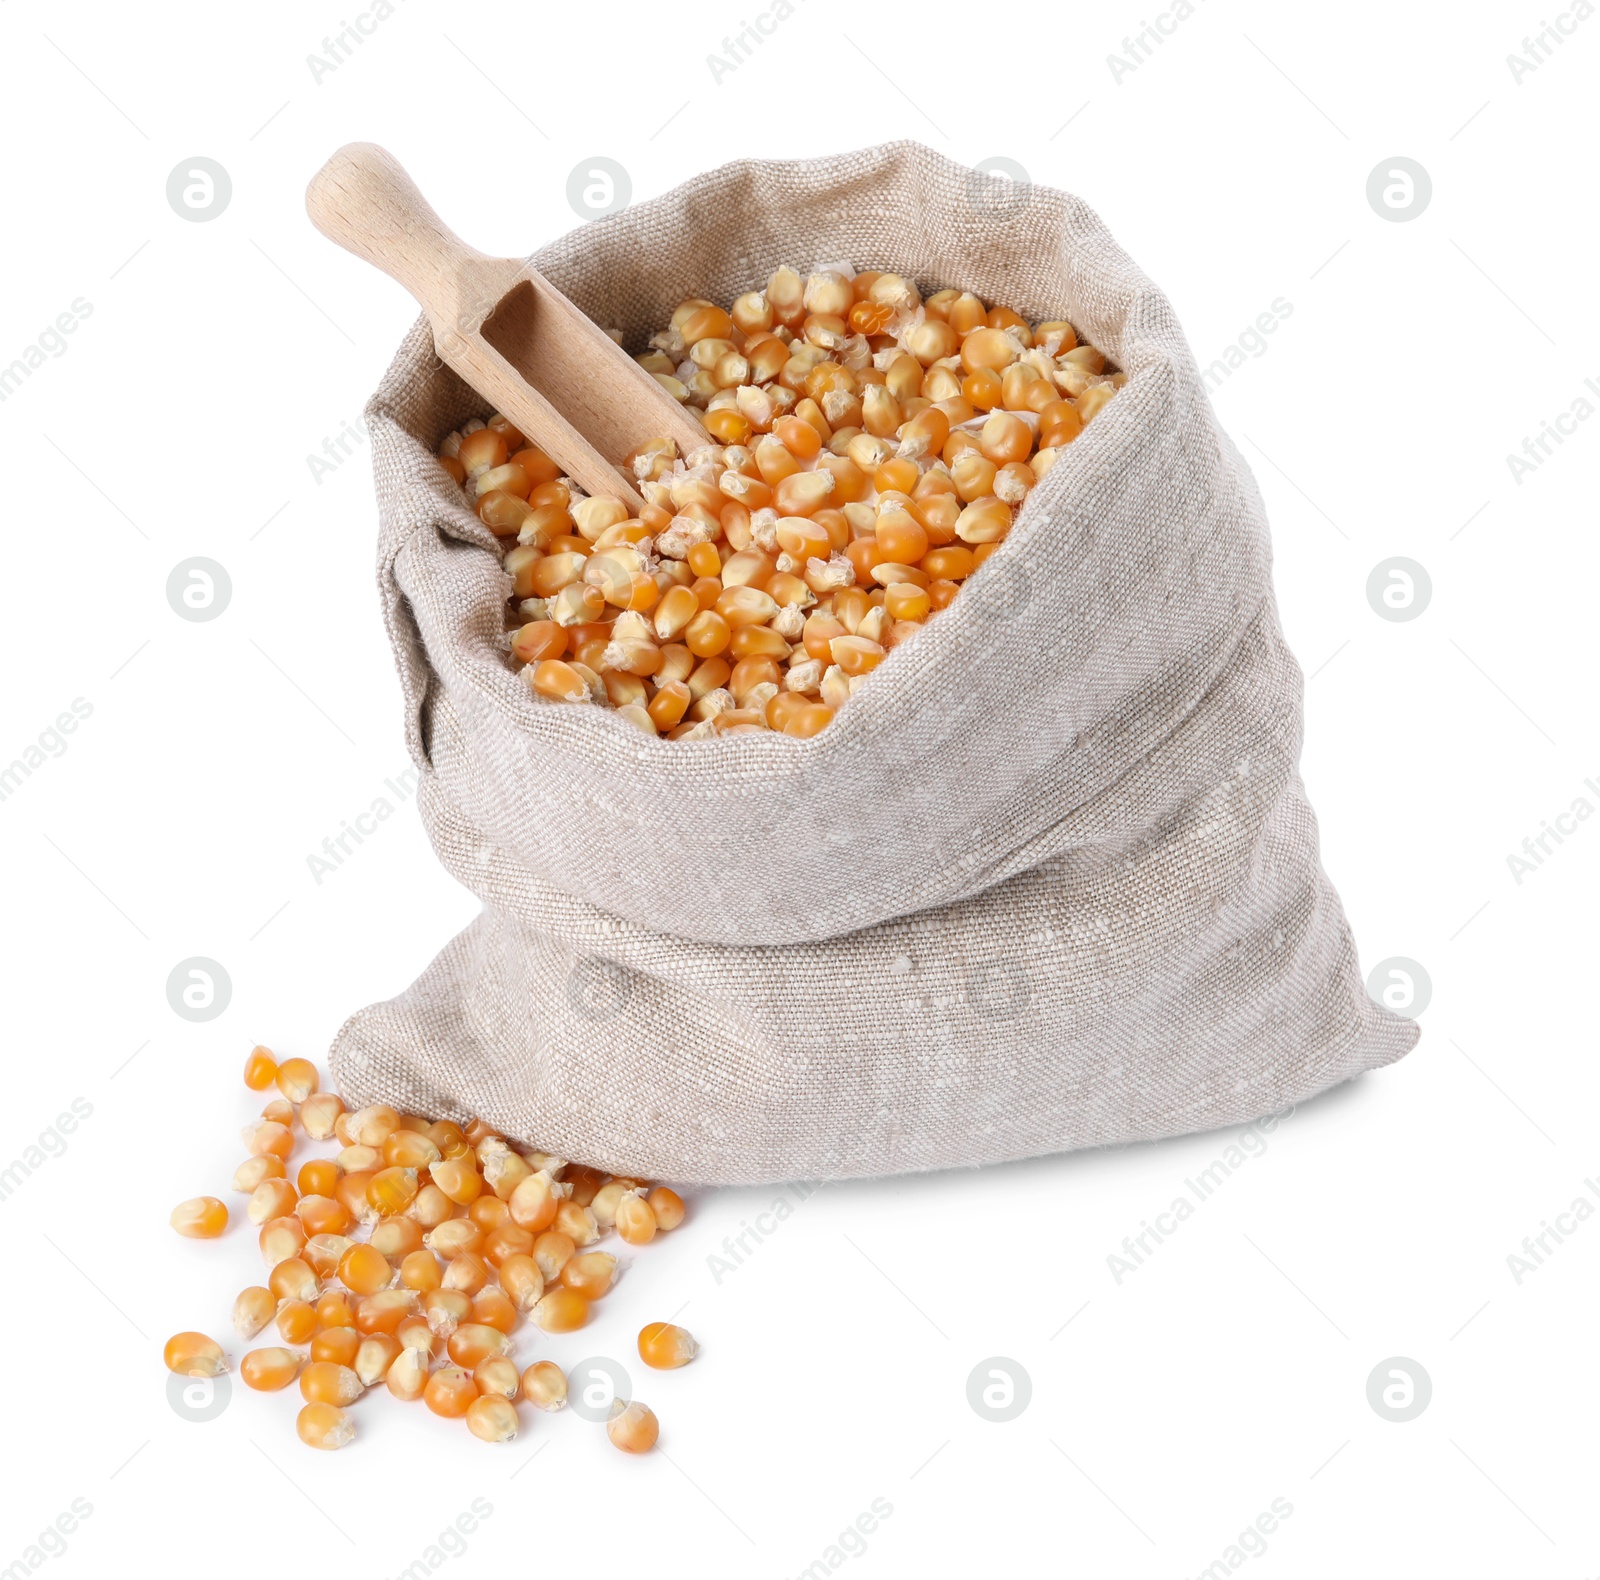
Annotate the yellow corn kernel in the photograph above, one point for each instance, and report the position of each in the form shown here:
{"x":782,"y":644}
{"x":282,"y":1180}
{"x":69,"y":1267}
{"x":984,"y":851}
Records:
{"x":738,"y":606}
{"x":324,"y":1252}
{"x":544,"y":1385}
{"x":253,"y":1309}
{"x":591,"y":1274}
{"x":856,"y":655}
{"x":319,"y":1113}
{"x":808,"y":720}
{"x":604,"y":1204}
{"x":492,"y":1308}
{"x":446,"y":1310}
{"x":497,"y":1375}
{"x":506,"y":1239}
{"x":431,"y":1208}
{"x":270,"y":1199}
{"x":453,"y":1237}
{"x":260,"y":1069}
{"x":907,"y":602}
{"x":473,"y":1342}
{"x":415,"y":1334}
{"x":901,"y":538}
{"x":492,"y":1418}
{"x":1093,"y":399}
{"x":559,"y":682}
{"x":377,"y":1353}
{"x":636,"y":1223}
{"x":338,"y":1345}
{"x":323,"y":1425}
{"x":386,"y":1310}
{"x":297,"y":1321}
{"x":293,"y":1279}
{"x":410,"y":1149}
{"x":373,"y":1125}
{"x":200,"y":1218}
{"x":297,"y":1079}
{"x":577,"y":1223}
{"x":593,"y":516}
{"x":420,"y":1271}
{"x":633,"y":1426}
{"x":396,"y":1238}
{"x":392,"y":1190}
{"x":450,"y":1392}
{"x":985,"y":520}
{"x":407,"y":1376}
{"x":804,"y":493}
{"x":457,"y":1177}
{"x":254,"y":1170}
{"x":561,"y":1310}
{"x":326,"y":1382}
{"x":503,"y":1169}
{"x":522,"y":1281}
{"x":665,"y":1346}
{"x":1005,"y":437}
{"x":194,"y":1355}
{"x":268,"y":1136}
{"x":667,"y":1205}
{"x":466,"y":1272}
{"x":269,"y":1369}
{"x":488,"y":1212}
{"x":364,"y":1270}
{"x":987,"y":348}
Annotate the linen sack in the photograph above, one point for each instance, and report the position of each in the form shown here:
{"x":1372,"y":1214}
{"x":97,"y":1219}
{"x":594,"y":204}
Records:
{"x":1049,"y":880}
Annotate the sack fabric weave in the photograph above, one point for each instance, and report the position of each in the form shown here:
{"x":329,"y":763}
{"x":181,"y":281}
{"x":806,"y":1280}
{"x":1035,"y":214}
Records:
{"x":1049,"y":880}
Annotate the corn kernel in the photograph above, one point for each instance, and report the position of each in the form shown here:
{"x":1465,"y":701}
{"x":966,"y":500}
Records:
{"x":269,"y":1369}
{"x":561,"y":1310}
{"x":633,"y":1426}
{"x":194,"y":1355}
{"x":325,"y":1382}
{"x":297,"y":1321}
{"x":407,"y":1376}
{"x":665,"y":1346}
{"x":338,"y":1345}
{"x":544,"y":1385}
{"x":365,"y":1271}
{"x":254,"y":1170}
{"x":200,"y":1218}
{"x":497,"y":1375}
{"x":373,"y":1359}
{"x":323,"y":1425}
{"x":384,"y":1311}
{"x":492,"y":1418}
{"x":449,"y":1392}
{"x":253,"y":1309}
{"x":296,"y":1079}
{"x":591,"y":1274}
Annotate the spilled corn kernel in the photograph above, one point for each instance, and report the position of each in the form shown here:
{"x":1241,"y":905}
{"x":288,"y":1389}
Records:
{"x":413,"y":1255}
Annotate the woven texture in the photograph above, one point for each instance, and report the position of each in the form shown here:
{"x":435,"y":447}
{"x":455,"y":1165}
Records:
{"x":1050,"y":880}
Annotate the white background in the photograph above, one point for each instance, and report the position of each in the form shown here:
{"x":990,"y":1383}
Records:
{"x":1167,"y":1411}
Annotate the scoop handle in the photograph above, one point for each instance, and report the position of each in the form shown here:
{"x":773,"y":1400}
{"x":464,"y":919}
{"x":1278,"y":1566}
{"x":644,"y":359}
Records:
{"x":364,"y":201}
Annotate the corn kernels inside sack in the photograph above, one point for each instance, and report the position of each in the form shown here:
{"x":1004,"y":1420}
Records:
{"x":866,"y":450}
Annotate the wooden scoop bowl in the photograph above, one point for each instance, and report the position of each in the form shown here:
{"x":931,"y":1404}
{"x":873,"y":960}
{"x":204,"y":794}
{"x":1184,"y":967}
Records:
{"x":566,"y":384}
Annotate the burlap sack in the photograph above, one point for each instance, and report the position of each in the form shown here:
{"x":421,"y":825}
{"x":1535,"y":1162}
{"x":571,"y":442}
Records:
{"x":1050,"y":880}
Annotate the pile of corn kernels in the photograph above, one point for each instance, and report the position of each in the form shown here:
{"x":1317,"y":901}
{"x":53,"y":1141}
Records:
{"x":464,"y":1236}
{"x":867,"y":449}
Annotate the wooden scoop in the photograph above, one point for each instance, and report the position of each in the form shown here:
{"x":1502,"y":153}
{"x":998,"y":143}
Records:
{"x":566,"y":384}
